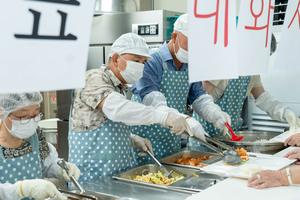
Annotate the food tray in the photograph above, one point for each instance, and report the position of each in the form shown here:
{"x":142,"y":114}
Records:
{"x":189,"y":184}
{"x":88,"y":195}
{"x":170,"y":160}
{"x":249,"y":144}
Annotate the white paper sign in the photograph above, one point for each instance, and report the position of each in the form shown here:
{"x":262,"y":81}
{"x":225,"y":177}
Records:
{"x":44,"y":44}
{"x":212,"y":40}
{"x":288,"y":55}
{"x":254,"y":36}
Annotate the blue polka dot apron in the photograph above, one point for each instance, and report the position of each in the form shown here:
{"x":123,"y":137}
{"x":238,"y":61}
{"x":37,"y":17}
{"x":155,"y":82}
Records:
{"x":175,"y":87}
{"x":22,"y":168}
{"x":231,"y":103}
{"x":101,"y":151}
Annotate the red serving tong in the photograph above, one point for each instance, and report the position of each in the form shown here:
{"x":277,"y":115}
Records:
{"x":234,"y":137}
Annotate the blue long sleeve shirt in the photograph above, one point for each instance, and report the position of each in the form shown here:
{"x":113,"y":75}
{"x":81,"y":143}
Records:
{"x":153,"y":73}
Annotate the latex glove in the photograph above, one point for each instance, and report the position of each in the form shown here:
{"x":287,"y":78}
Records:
{"x":38,"y":189}
{"x":294,"y":154}
{"x":226,"y":132}
{"x":293,"y":140}
{"x":219,"y":118}
{"x":196,"y":128}
{"x":292,"y":119}
{"x":73,"y":171}
{"x":142,"y":144}
{"x":269,"y":178}
{"x":177,"y":124}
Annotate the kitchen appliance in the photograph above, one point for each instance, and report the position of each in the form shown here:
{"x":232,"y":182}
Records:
{"x":155,"y":26}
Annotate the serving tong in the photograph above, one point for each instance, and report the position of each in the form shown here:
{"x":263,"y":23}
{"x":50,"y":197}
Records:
{"x":229,"y":156}
{"x":161,"y":167}
{"x":62,"y":163}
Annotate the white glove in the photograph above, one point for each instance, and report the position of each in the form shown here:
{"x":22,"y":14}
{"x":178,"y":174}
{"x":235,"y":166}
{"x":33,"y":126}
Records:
{"x":142,"y":144}
{"x":73,"y":171}
{"x":177,"y":124}
{"x":226,"y":132}
{"x":205,"y":107}
{"x":219,"y":118}
{"x":38,"y":189}
{"x":292,"y":119}
{"x":272,"y":106}
{"x":196,"y":128}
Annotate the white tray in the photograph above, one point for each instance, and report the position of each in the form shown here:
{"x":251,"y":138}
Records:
{"x":282,"y":137}
{"x":264,"y":160}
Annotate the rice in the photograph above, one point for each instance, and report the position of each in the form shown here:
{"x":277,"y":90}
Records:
{"x":249,"y":169}
{"x":262,"y":141}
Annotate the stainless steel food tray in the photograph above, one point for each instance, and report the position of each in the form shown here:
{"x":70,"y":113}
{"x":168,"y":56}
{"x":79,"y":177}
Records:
{"x":249,"y":144}
{"x":189,"y":184}
{"x":170,"y":160}
{"x":88,"y":195}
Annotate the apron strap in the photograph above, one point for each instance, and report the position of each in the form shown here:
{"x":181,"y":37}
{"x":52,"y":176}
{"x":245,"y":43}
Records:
{"x":70,"y":115}
{"x":164,"y":63}
{"x":34,"y":141}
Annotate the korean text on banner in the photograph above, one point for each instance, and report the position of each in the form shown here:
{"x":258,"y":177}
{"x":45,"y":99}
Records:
{"x":288,"y":55}
{"x":254,"y":36}
{"x":44,"y":44}
{"x":212,"y":40}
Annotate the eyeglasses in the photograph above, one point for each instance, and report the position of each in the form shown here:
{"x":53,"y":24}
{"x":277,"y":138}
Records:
{"x":26,"y":118}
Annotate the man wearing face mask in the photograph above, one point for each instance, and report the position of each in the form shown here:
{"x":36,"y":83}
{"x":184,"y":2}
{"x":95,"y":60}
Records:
{"x":165,"y":86}
{"x":25,"y":155}
{"x":99,"y":136}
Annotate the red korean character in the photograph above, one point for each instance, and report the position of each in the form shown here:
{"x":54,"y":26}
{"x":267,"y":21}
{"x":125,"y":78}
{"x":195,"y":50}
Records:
{"x":257,"y":16}
{"x":216,"y":14}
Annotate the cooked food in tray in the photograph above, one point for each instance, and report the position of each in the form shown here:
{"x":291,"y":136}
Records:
{"x":189,"y":160}
{"x":158,"y":178}
{"x":243,"y":154}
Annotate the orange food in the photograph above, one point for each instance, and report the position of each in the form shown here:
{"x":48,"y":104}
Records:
{"x":243,"y":153}
{"x":192,"y":161}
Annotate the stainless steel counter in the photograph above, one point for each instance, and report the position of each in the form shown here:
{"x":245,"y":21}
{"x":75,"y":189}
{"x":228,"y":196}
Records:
{"x":110,"y":186}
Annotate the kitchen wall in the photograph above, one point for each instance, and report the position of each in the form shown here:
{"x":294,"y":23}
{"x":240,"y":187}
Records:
{"x":172,"y":5}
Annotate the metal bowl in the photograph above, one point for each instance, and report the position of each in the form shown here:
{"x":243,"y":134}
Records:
{"x":249,"y":143}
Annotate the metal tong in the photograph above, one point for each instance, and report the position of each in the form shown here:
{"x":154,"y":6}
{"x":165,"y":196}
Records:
{"x":62,"y":163}
{"x":229,"y":156}
{"x":161,"y":167}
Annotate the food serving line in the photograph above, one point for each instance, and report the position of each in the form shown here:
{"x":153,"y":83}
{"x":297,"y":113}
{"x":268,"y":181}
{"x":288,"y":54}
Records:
{"x":215,"y":181}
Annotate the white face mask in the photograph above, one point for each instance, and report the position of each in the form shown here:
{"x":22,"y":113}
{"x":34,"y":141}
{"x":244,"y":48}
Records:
{"x":181,"y":55}
{"x":22,"y":131}
{"x":133,"y":71}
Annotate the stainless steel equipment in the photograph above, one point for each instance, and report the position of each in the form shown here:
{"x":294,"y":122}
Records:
{"x":195,"y":180}
{"x":170,"y":160}
{"x":62,"y":163}
{"x":229,"y":156}
{"x":249,"y":141}
{"x":161,"y":167}
{"x":89,"y":195}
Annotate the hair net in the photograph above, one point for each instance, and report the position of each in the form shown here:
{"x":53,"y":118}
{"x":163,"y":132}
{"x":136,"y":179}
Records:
{"x":130,"y":43}
{"x":181,"y":24}
{"x":273,"y":44}
{"x":13,"y":102}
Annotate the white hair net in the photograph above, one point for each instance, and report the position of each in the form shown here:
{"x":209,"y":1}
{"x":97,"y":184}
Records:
{"x":130,"y":43}
{"x":181,"y":24}
{"x":13,"y":102}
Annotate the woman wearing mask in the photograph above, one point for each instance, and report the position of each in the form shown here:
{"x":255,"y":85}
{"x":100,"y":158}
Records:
{"x":25,"y":155}
{"x":100,"y":136}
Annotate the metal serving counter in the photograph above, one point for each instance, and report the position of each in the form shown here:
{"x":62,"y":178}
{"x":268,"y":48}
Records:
{"x":118,"y":188}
